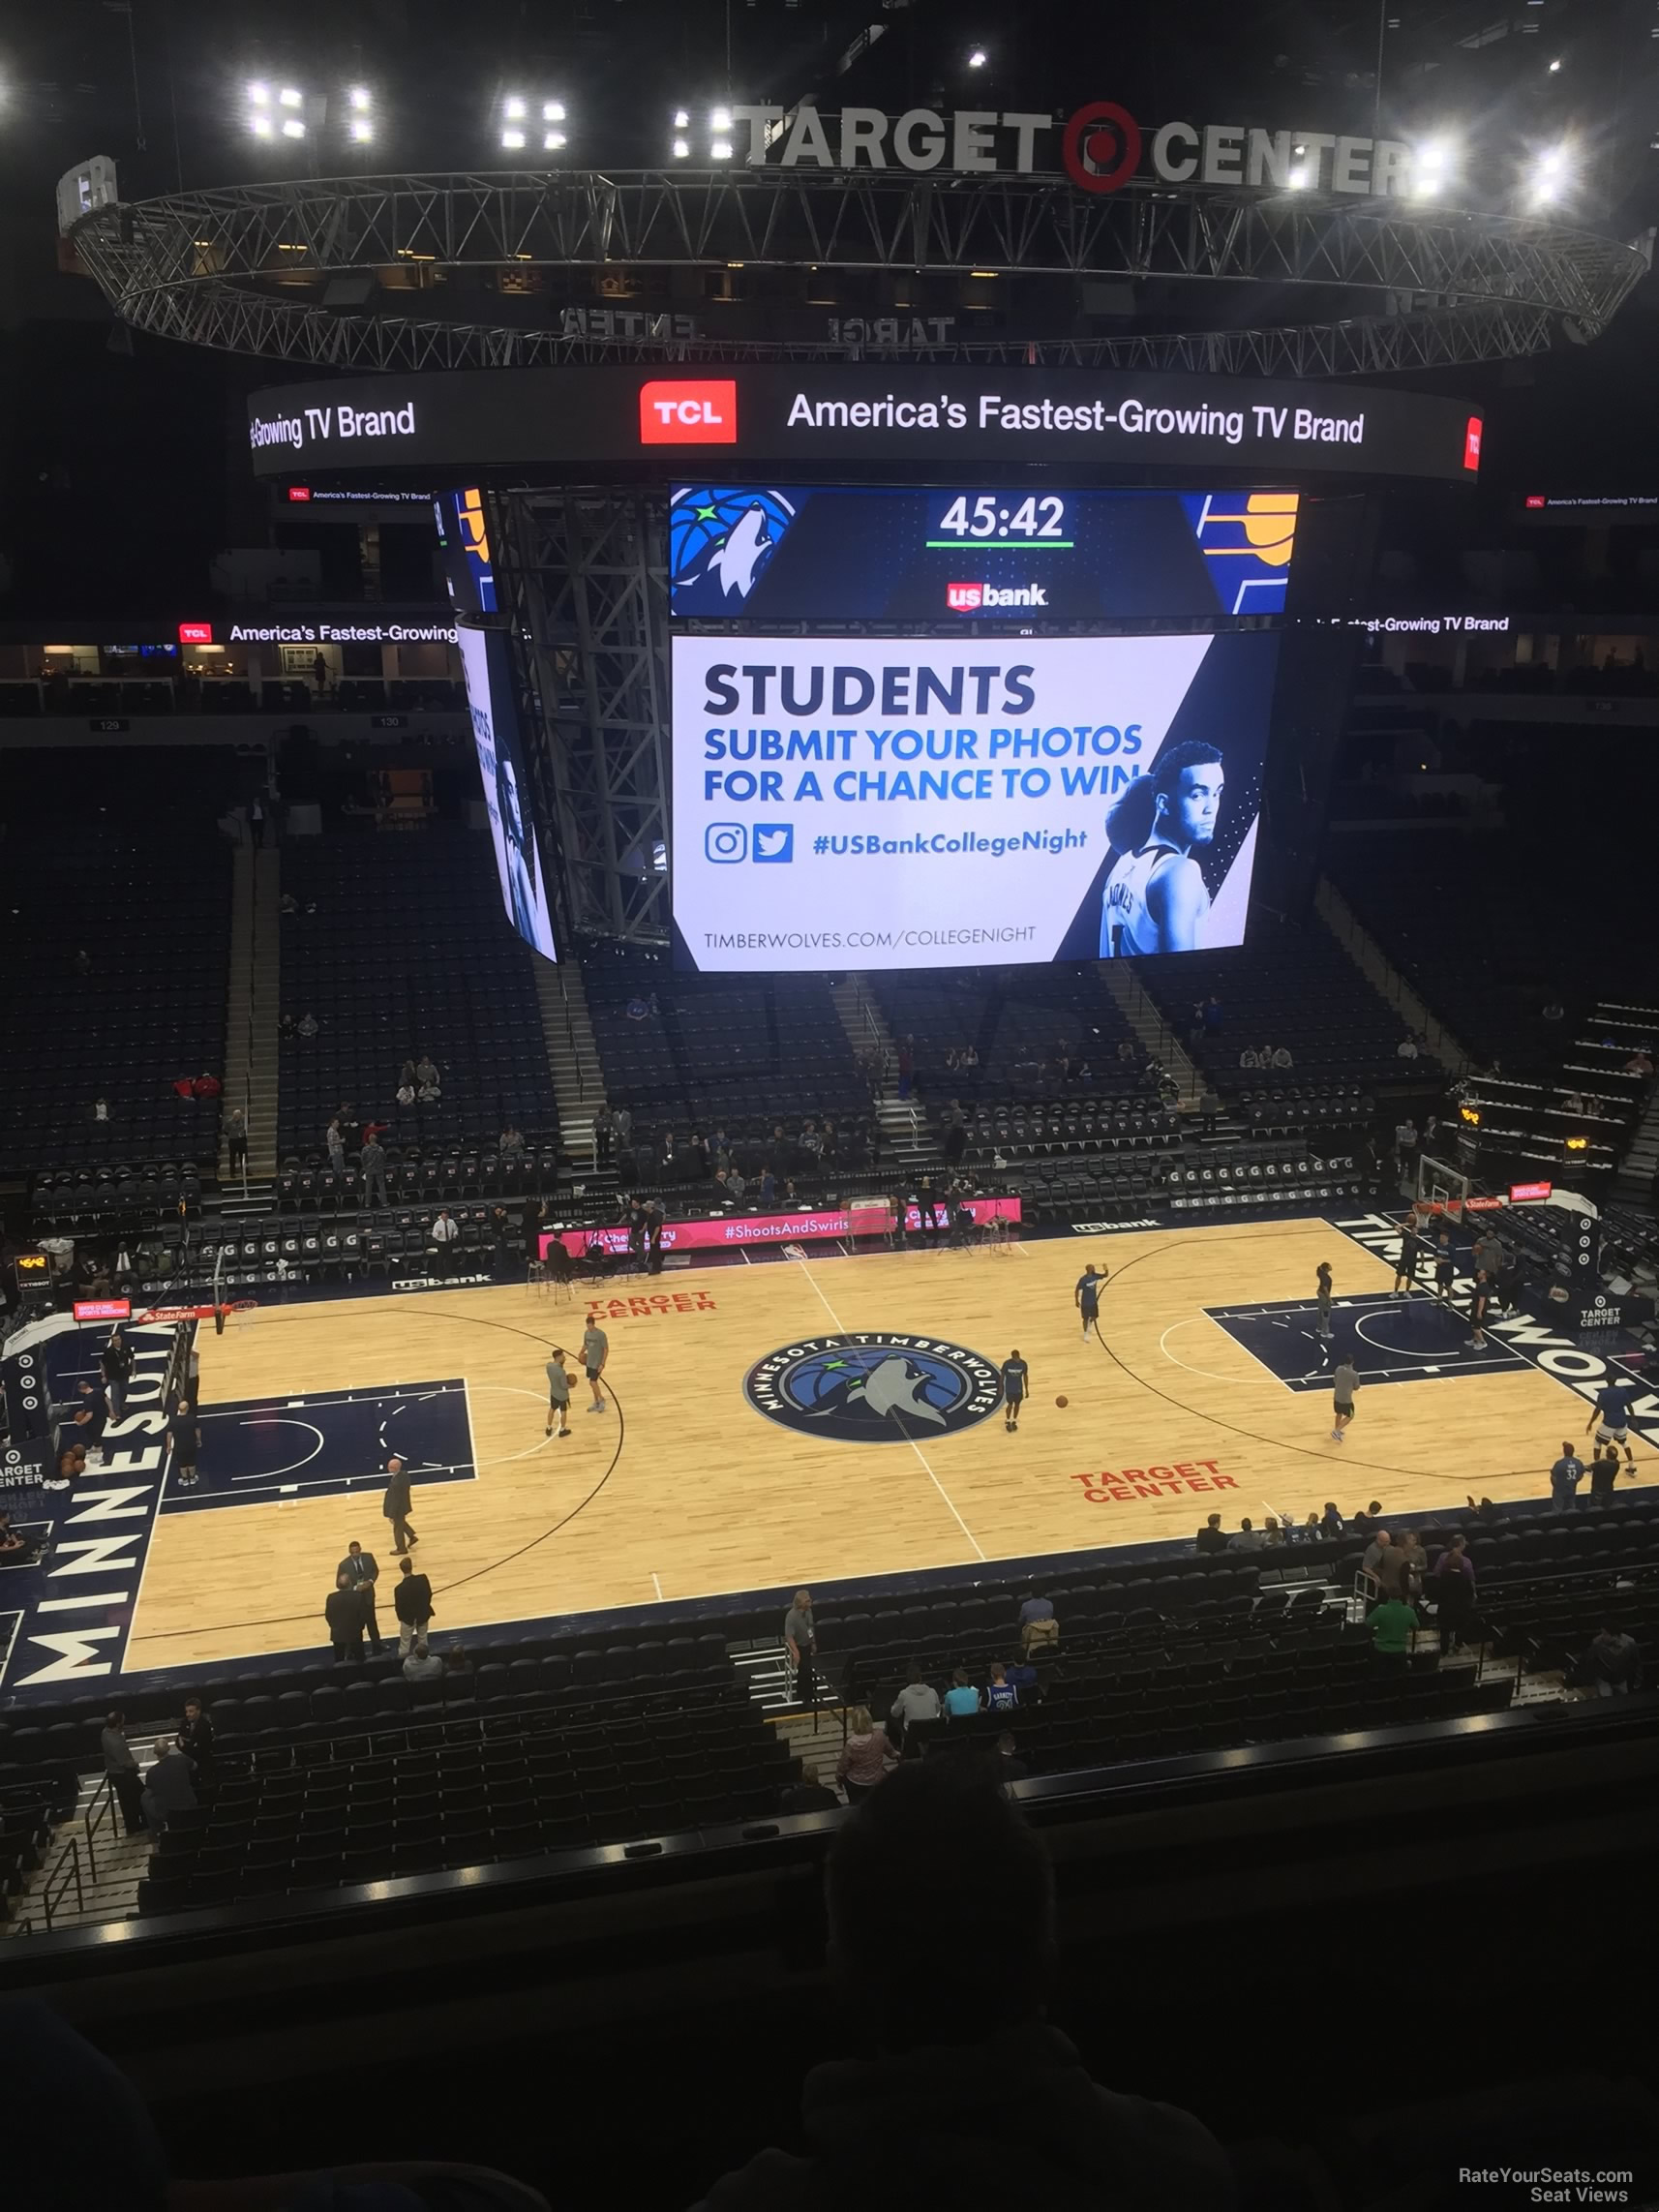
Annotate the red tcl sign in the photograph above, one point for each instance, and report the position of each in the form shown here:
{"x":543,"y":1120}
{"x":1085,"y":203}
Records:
{"x":195,"y":633}
{"x":299,"y":492}
{"x":1472,"y":443}
{"x":698,"y":410}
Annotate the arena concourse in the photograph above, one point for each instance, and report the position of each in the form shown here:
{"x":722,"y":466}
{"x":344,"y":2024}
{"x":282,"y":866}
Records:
{"x":827,"y":1115}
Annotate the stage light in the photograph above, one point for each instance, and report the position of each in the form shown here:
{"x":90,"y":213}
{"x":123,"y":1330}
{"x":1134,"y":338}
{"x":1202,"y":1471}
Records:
{"x":512,"y":141}
{"x":259,"y":95}
{"x":1469,"y":1116}
{"x":681,"y":149}
{"x":362,"y":129}
{"x":976,"y":58}
{"x":1299,"y":179}
{"x":552,"y":112}
{"x":1578,"y":1145}
{"x":721,"y":119}
{"x":261,"y":127}
{"x":358,"y":98}
{"x":513,"y":108}
{"x":1555,"y":65}
{"x":681,"y":119}
{"x":288,"y":97}
{"x":721,"y":150}
{"x":552,"y":140}
{"x":293,"y":128}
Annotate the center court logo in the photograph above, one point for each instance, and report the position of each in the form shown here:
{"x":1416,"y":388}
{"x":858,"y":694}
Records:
{"x":875,"y":1388}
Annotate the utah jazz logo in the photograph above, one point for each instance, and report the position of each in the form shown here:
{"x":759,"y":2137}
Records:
{"x":874,"y":1389}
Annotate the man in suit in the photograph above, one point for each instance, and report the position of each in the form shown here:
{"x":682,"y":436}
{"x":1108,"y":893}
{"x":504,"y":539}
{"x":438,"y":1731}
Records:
{"x":362,"y":1571}
{"x":395,"y":1505}
{"x":169,"y":1786}
{"x":413,"y":1601}
{"x":342,"y":1610}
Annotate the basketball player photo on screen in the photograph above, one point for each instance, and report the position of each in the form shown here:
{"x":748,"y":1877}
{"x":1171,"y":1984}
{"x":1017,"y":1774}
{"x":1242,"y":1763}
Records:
{"x":487,"y":667}
{"x":1156,"y":898}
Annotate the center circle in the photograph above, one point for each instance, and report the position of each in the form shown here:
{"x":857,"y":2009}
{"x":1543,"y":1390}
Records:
{"x":877,"y":1386}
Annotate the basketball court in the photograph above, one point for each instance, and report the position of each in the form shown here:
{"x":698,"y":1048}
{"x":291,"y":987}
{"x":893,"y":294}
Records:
{"x":825,"y":1418}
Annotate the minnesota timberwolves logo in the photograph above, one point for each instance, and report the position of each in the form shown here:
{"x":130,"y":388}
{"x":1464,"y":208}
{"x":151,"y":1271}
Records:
{"x":719,"y":543}
{"x":874,"y":1389}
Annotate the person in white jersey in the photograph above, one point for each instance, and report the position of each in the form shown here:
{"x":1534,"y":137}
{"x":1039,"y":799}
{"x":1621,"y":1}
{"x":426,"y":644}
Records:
{"x":1156,"y":898}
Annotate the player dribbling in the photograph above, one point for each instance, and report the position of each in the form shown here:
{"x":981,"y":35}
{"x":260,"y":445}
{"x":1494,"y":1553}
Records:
{"x":1016,"y":1381}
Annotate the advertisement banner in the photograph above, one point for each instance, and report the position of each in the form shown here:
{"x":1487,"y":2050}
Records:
{"x":729,"y":1229}
{"x":901,"y":803}
{"x":487,"y":665}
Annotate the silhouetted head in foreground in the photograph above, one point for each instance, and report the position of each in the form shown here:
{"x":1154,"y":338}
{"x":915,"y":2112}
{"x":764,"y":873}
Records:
{"x":977,"y":1962}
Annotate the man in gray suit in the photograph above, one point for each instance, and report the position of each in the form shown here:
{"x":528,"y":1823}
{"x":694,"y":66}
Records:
{"x":360,"y":1570}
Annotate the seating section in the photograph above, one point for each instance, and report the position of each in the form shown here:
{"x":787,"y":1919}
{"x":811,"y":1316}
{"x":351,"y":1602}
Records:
{"x":1032,"y":1029}
{"x":1294,"y":989}
{"x":103,"y":860}
{"x":408,"y":950}
{"x":697,"y":1052}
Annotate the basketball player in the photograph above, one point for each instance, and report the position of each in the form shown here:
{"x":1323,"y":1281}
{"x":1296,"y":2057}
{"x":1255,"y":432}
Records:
{"x":1322,"y":1282}
{"x":558,"y":1394}
{"x":1344,"y":1381}
{"x":1017,"y":1380}
{"x":184,"y":1441}
{"x":1483,"y":1304}
{"x":1610,"y":1419}
{"x":1156,"y":898}
{"x":1445,"y":1267}
{"x":1086,"y":1297}
{"x":596,"y":1352}
{"x":1405,"y":1266}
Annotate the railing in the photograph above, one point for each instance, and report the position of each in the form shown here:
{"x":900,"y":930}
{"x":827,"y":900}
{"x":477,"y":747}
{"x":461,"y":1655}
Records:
{"x":55,"y":1888}
{"x":101,"y":1808}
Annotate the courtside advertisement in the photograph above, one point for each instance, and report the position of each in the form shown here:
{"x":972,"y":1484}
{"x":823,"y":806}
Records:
{"x":898,"y":803}
{"x":487,"y":668}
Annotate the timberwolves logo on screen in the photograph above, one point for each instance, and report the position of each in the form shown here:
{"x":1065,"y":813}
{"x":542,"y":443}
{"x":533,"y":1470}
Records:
{"x":719,"y":543}
{"x":874,"y":1389}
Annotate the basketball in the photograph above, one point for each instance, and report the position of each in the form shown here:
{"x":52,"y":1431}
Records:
{"x":1060,"y":1401}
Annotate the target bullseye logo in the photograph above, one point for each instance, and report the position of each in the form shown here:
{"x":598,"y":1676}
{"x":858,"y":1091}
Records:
{"x":1100,"y":149}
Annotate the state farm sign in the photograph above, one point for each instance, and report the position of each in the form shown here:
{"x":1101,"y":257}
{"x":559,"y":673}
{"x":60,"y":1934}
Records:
{"x":1100,"y":146}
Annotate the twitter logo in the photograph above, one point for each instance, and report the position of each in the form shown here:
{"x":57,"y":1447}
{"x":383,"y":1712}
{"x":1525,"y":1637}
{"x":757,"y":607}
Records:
{"x":772,"y":842}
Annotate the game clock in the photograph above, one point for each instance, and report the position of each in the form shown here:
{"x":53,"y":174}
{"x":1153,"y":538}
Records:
{"x":999,"y":519}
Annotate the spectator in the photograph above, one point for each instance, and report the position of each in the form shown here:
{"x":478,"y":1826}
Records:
{"x":1331,"y":1523}
{"x":284,"y":1030}
{"x":287,"y":903}
{"x":1486,"y":1510}
{"x":1406,"y":1048}
{"x":411,"y":1602}
{"x":336,"y":1144}
{"x":918,"y":1700}
{"x":101,"y":1108}
{"x":801,"y":1641}
{"x":256,"y":818}
{"x":735,"y":1184}
{"x":344,"y":1611}
{"x":206,"y":1086}
{"x":445,"y":1237}
{"x":512,"y":1143}
{"x":195,"y":1737}
{"x":121,"y":1765}
{"x":636,"y":1009}
{"x":623,"y":1122}
{"x":970,"y":1057}
{"x":404,"y":1095}
{"x":1603,"y":1473}
{"x":1211,"y":1536}
{"x":83,"y":961}
{"x":1272,"y":1533}
{"x":115,"y":1362}
{"x":1410,"y":1563}
{"x":1640,"y":1063}
{"x":1614,"y":1663}
{"x":1212,"y":1014}
{"x":236,"y":1140}
{"x":769,"y":1186}
{"x":809,"y":1794}
{"x":962,"y":1698}
{"x":1248,"y":1058}
{"x":1452,"y":1590}
{"x":1037,"y":1627}
{"x":1392,"y":1624}
{"x":864,"y":1755}
{"x":1282,"y":1058}
{"x":423,"y":1664}
{"x":1247,"y":1540}
{"x":1565,"y":1476}
{"x":1001,"y":1696}
{"x":1377,"y":1566}
{"x":169,"y":1786}
{"x":362,"y":1571}
{"x":307,"y":1025}
{"x":928,"y":1992}
{"x":1365,"y":1524}
{"x":373,"y":1161}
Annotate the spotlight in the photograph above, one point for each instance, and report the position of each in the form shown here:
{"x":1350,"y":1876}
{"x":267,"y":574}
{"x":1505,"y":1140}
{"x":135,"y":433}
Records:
{"x":976,"y":58}
{"x":362,"y":129}
{"x":552,"y":112}
{"x":512,"y":141}
{"x":288,"y":97}
{"x":721,"y":150}
{"x":1299,"y":179}
{"x":680,"y":119}
{"x":261,"y":127}
{"x":721,"y":119}
{"x":513,"y":108}
{"x":552,"y":140}
{"x":358,"y":98}
{"x":1555,"y":65}
{"x":1552,"y":162}
{"x":681,"y":149}
{"x":259,"y":95}
{"x":293,"y":128}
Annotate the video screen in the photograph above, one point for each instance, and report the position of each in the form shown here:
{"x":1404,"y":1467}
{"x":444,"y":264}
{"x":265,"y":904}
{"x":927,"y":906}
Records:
{"x":487,"y":665}
{"x":790,"y":554}
{"x":898,"y":803}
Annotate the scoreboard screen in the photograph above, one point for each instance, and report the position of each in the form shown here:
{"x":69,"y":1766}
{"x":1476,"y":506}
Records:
{"x":781,"y":552}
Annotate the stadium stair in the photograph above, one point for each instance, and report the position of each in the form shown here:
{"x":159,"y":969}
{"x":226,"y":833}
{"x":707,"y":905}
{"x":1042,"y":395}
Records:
{"x":1157,"y":1040}
{"x":572,"y":1054}
{"x":1368,"y":955}
{"x":252,"y":999}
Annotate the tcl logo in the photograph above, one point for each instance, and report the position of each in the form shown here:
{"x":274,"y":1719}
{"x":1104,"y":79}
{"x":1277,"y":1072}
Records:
{"x":963,"y":599}
{"x":1535,"y":500}
{"x":299,"y":492}
{"x":195,"y":633}
{"x":701,"y":412}
{"x":1472,"y":442}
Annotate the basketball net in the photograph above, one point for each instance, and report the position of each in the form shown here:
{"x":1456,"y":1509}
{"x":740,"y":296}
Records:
{"x":1441,"y":1191}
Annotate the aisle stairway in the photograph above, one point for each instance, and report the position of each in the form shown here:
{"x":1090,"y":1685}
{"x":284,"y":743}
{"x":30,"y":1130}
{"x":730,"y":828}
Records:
{"x":578,"y":1080}
{"x":251,"y":1005}
{"x":903,"y":1124}
{"x":1154,"y":1035}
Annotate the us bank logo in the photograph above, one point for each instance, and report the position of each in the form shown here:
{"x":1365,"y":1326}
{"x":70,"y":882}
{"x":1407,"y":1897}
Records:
{"x":876,"y":1388}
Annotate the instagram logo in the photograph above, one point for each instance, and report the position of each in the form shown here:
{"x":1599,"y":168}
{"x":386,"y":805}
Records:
{"x":725,"y":842}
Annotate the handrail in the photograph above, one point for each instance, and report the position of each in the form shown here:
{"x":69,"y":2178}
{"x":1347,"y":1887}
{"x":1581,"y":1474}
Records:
{"x":101,"y":1806}
{"x":69,"y":1857}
